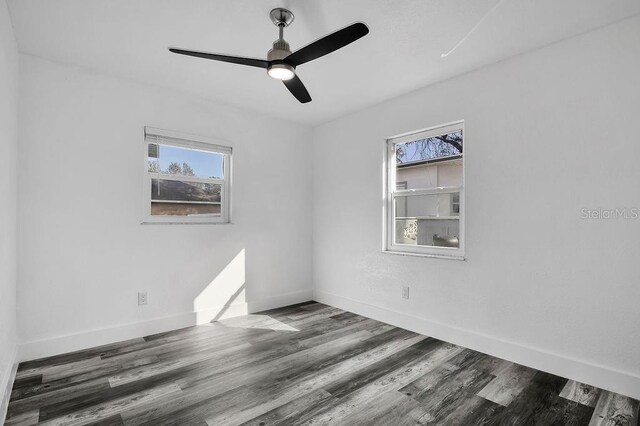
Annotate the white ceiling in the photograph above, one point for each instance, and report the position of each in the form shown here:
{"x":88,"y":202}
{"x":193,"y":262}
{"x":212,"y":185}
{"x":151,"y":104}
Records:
{"x":129,"y":38}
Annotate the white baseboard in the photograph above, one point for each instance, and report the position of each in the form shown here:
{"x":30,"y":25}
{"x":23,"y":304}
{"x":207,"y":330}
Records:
{"x":280,"y":300}
{"x":97,"y":337}
{"x":6,"y":382}
{"x":621,"y":382}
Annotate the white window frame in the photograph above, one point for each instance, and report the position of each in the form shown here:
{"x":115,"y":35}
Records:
{"x":184,"y":140}
{"x":391,"y":192}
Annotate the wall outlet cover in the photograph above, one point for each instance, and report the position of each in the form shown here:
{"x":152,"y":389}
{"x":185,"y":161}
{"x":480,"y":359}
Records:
{"x":405,"y":292}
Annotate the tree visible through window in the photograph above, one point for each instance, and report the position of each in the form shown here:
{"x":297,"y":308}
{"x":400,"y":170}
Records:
{"x":187,"y":180}
{"x":429,"y":149}
{"x":425,"y":182}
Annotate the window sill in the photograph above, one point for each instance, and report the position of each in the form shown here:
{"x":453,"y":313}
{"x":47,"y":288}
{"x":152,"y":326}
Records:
{"x":145,"y":222}
{"x":435,"y":256}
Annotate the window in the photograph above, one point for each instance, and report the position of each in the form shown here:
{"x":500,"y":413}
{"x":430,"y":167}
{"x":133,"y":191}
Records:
{"x":425,"y":192}
{"x":186,"y":178}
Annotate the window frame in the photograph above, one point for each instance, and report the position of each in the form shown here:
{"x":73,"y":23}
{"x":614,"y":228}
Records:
{"x":391,"y":192}
{"x":184,"y":140}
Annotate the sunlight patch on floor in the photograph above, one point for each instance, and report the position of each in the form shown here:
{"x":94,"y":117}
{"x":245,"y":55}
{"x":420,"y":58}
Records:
{"x":257,"y":321}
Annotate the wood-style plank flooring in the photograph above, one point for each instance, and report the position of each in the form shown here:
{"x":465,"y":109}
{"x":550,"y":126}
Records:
{"x":303,"y":364}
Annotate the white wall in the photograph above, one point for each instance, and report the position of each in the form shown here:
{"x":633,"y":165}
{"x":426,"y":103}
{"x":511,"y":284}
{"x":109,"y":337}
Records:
{"x":547,"y":134}
{"x":83,"y":254}
{"x":8,"y":149}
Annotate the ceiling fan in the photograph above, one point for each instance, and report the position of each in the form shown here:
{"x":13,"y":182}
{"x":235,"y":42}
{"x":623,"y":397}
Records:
{"x":281,"y":63}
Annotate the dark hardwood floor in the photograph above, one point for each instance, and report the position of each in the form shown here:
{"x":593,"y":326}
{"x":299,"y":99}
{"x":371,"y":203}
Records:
{"x":303,"y":364}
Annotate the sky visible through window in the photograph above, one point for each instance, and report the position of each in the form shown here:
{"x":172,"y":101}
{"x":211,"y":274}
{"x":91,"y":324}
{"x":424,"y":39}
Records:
{"x":430,"y":148}
{"x":204,"y":164}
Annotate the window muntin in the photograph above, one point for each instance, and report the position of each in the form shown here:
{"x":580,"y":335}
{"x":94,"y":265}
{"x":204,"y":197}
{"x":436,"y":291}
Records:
{"x":425,"y":192}
{"x":187,"y":178}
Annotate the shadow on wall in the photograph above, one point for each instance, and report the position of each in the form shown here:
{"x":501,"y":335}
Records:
{"x":225,"y":295}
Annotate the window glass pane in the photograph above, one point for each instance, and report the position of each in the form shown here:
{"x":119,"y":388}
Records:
{"x":430,"y":163}
{"x":182,"y":161}
{"x":183,"y":209}
{"x":175,"y":190}
{"x":427,"y":220}
{"x":437,"y":147}
{"x":455,"y":204}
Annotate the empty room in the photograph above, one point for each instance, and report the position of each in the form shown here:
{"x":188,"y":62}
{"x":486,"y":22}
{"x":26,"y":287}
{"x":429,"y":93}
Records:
{"x":319,"y":212}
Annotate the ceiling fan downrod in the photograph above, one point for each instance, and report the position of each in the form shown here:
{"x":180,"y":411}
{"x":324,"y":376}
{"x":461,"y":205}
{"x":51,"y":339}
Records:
{"x":279,"y":70}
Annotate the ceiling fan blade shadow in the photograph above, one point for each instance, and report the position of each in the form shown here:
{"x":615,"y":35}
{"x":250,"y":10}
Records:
{"x":328,"y":44}
{"x":252,"y":62}
{"x":297,"y":89}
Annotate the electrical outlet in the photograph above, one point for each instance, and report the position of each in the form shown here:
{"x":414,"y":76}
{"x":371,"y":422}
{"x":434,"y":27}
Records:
{"x":142,"y":298}
{"x":405,"y":292}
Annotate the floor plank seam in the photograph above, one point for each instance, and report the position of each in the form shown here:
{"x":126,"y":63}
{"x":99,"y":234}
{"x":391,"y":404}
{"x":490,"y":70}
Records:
{"x":303,"y":364}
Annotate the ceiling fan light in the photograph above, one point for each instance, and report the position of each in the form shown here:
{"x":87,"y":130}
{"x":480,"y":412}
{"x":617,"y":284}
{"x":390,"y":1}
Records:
{"x":281,"y":72}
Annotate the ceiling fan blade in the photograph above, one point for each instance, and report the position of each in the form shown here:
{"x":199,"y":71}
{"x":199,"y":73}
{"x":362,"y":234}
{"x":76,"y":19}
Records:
{"x":297,"y":89}
{"x":259,"y":63}
{"x":328,"y":44}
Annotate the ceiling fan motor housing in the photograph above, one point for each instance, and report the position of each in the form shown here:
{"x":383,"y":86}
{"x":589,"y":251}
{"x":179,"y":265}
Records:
{"x":277,"y":69}
{"x":280,"y":50}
